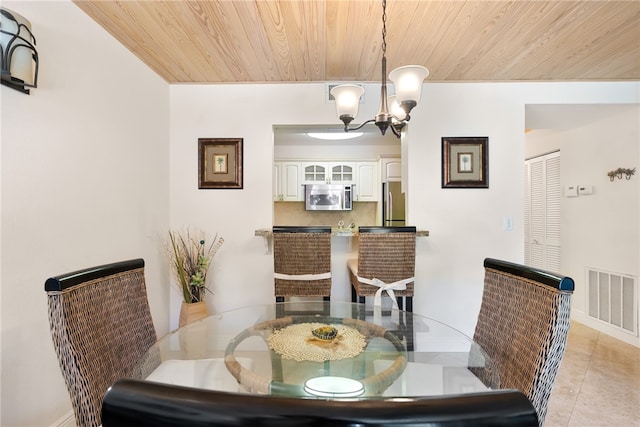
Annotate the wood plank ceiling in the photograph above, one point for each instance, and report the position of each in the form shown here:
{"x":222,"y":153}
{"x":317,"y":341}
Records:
{"x":337,"y":40}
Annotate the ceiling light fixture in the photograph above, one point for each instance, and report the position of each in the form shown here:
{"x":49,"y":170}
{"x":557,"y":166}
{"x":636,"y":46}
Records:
{"x":19,"y":55}
{"x":408,"y":86}
{"x":333,"y":136}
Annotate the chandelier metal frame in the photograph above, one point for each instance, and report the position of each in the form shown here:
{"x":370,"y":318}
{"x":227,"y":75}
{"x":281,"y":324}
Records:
{"x":384,"y":120}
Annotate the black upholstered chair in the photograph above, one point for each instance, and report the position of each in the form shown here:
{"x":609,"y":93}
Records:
{"x":523,"y":325}
{"x":131,"y":403}
{"x":101,"y":327}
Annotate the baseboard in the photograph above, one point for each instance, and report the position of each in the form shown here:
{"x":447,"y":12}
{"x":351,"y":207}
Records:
{"x":581,"y":317}
{"x":67,"y":420}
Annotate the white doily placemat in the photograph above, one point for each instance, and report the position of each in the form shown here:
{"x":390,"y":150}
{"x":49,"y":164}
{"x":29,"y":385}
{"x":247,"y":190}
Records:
{"x":298,"y":343}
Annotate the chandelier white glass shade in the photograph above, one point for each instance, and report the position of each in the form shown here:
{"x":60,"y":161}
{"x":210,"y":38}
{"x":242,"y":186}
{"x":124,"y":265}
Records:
{"x":407,"y":81}
{"x":18,"y":54}
{"x":396,"y":111}
{"x":408,"y":87}
{"x":347,"y":100}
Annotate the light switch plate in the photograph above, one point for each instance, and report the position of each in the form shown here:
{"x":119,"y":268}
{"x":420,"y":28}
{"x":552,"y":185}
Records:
{"x":585,"y":189}
{"x":507,"y":223}
{"x":571,"y":191}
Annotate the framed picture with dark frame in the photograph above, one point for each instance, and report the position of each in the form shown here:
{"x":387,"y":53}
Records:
{"x":220,"y":163}
{"x":465,"y":162}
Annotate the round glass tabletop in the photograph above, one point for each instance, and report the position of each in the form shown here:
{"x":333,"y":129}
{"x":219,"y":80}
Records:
{"x":320,"y":349}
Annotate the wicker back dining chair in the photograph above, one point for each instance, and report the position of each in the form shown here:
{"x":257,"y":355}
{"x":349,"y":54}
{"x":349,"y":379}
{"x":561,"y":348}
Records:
{"x":523,"y":325}
{"x":131,"y":403}
{"x":302,"y":262}
{"x":387,"y":254}
{"x":101,"y":327}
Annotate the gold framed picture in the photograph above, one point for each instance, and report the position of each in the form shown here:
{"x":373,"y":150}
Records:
{"x":465,"y":162}
{"x":220,"y":163}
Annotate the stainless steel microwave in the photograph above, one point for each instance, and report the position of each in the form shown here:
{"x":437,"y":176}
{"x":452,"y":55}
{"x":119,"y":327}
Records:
{"x":327,"y":197}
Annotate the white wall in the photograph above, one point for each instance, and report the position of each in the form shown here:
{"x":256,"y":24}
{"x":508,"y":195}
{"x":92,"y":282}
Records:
{"x":84,"y":181}
{"x":92,"y":159}
{"x":601,"y":230}
{"x":242,"y":272}
{"x":349,"y":150}
{"x":465,"y":224}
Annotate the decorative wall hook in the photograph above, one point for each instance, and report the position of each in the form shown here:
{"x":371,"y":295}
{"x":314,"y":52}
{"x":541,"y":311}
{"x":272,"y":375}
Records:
{"x":621,"y":171}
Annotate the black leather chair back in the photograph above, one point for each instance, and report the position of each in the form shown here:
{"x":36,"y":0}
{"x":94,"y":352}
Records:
{"x":131,"y":403}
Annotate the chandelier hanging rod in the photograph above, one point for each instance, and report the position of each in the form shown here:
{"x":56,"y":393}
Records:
{"x":408,"y":85}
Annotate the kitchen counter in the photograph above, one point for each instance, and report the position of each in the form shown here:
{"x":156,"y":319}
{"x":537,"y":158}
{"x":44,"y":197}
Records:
{"x":335,"y":231}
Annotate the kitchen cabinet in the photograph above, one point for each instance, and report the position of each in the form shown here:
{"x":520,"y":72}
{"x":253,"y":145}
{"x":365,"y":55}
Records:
{"x":287,"y":185}
{"x":289,"y":178}
{"x":367,"y":188}
{"x":328,"y":172}
{"x":342,"y":173}
{"x":391,"y":169}
{"x":314,"y":173}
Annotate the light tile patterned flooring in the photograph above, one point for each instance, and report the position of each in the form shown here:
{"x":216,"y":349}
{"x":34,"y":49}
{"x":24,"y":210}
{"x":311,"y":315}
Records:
{"x":598,"y":383}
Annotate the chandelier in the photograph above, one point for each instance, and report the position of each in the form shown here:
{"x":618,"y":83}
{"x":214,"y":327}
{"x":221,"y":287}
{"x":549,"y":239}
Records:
{"x":394,"y":110}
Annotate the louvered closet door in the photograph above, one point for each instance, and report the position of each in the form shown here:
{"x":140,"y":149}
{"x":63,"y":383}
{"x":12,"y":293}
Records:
{"x":542,"y":212}
{"x":527,"y":212}
{"x":552,"y":206}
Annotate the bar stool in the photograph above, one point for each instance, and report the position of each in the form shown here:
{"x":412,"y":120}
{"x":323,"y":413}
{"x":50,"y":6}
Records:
{"x":386,"y":263}
{"x":302,"y":262}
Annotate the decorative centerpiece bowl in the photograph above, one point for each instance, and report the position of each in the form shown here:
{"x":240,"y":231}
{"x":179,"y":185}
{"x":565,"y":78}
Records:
{"x":325,"y":333}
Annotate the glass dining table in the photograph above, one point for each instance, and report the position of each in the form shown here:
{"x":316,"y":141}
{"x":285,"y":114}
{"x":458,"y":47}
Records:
{"x":320,"y":349}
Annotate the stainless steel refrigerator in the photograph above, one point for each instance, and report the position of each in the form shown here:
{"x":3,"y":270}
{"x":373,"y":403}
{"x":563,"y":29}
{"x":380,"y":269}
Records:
{"x":393,"y":214}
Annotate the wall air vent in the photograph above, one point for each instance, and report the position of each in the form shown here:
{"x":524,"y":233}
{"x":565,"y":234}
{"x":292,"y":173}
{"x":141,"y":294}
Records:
{"x":612,"y":298}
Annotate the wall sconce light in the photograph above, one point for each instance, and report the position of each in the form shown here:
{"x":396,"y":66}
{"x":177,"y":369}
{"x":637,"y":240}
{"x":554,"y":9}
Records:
{"x":621,"y":171}
{"x":19,"y":55}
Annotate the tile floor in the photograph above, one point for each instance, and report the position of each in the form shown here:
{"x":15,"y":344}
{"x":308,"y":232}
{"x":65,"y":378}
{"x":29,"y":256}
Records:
{"x":598,"y":383}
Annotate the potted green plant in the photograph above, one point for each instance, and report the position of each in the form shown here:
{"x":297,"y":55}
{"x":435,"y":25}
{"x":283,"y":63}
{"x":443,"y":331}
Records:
{"x":190,"y":257}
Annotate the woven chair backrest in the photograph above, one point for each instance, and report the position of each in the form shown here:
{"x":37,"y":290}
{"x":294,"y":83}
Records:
{"x":301,"y":251}
{"x":386,"y":253}
{"x":523,"y":325}
{"x":101,"y":327}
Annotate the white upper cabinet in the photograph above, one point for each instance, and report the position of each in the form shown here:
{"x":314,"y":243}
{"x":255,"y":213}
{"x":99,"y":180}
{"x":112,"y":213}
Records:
{"x":287,"y":185}
{"x":342,"y":173}
{"x":391,"y":169}
{"x":277,"y":173}
{"x":328,"y":172}
{"x":289,"y":178}
{"x":367,"y":188}
{"x":314,"y":173}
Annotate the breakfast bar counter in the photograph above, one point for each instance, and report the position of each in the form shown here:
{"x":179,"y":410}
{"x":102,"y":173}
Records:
{"x":335,"y":232}
{"x":344,"y":246}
